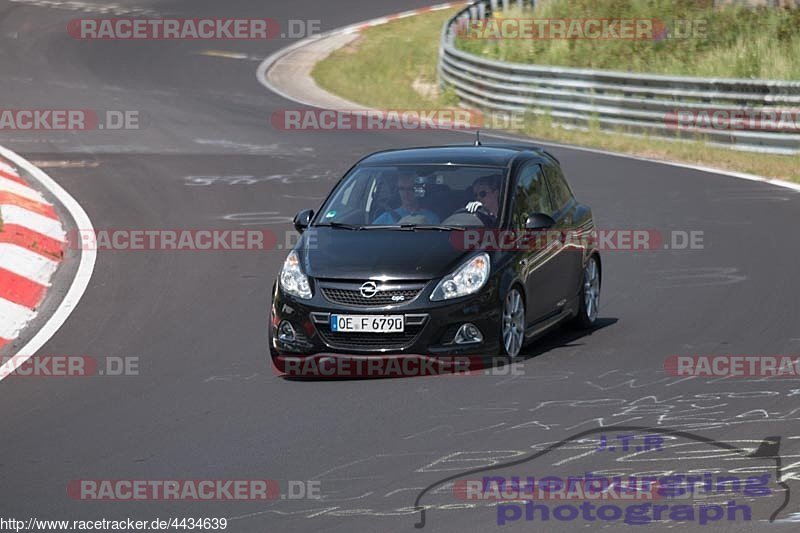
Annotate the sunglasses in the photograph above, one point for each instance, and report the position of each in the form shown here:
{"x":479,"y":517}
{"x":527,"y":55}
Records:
{"x":482,"y":194}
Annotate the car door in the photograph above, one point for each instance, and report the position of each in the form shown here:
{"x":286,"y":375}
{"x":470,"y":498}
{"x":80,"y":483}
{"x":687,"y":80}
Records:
{"x":540,"y":258}
{"x":564,"y":208}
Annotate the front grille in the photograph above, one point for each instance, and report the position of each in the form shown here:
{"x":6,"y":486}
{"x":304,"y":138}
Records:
{"x":369,"y":341}
{"x":388,"y":293}
{"x":385,"y":297}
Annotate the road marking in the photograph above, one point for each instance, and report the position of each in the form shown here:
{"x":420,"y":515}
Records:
{"x":15,"y":317}
{"x":50,"y":227}
{"x":35,"y":242}
{"x":5,"y":167}
{"x":20,"y":290}
{"x":9,"y":199}
{"x":27,"y":263}
{"x":21,"y":190}
{"x":79,"y":283}
{"x":11,"y":176}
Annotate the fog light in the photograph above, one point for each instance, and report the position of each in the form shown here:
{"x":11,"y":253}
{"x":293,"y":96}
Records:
{"x":286,"y":331}
{"x":468,"y":333}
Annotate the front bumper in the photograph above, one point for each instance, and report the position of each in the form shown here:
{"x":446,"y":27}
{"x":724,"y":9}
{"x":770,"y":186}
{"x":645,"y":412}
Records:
{"x":430,"y":327}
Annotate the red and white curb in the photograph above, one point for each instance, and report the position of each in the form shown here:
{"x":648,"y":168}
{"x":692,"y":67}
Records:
{"x":32,"y":242}
{"x":32,"y":245}
{"x":264,"y":66}
{"x":390,"y":18}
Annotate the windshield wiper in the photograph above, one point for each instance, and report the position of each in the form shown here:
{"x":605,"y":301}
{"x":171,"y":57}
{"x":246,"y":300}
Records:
{"x":404,"y":227}
{"x":435,"y":227}
{"x":342,"y":225}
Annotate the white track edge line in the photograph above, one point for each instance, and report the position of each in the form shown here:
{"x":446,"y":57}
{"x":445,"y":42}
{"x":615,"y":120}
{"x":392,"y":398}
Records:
{"x":264,"y":66}
{"x":82,"y":276}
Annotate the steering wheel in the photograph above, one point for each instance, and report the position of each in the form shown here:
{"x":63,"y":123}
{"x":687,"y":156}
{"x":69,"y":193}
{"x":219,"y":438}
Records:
{"x":482,"y":214}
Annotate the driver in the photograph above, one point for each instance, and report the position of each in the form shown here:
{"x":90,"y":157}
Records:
{"x":409,"y":205}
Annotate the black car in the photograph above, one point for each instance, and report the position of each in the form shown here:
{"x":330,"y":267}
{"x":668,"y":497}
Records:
{"x":417,"y":251}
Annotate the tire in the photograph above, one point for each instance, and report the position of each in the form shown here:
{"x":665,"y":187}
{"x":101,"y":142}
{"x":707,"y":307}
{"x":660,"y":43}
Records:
{"x":512,"y":325}
{"x":589,"y":296}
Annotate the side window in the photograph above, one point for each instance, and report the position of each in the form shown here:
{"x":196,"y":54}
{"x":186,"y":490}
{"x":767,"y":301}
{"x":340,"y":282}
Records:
{"x":530,"y":195}
{"x":559,"y":189}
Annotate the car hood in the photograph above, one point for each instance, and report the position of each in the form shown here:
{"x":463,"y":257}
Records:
{"x":364,"y":254}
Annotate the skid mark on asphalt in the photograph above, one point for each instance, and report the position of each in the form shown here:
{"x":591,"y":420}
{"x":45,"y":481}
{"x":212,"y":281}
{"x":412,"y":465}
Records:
{"x":243,"y":179}
{"x":276,"y":149}
{"x":257,"y":218}
{"x":677,"y":457}
{"x":66,"y":164}
{"x":450,"y":430}
{"x":753,"y":195}
{"x":225,"y":54}
{"x":697,"y":277}
{"x":114,"y":149}
{"x":249,"y":179}
{"x":86,"y":7}
{"x":232,"y":377}
{"x":300,"y":197}
{"x":630,"y":381}
{"x":364,"y":482}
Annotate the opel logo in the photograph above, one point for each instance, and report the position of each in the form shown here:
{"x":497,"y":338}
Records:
{"x":369,"y":289}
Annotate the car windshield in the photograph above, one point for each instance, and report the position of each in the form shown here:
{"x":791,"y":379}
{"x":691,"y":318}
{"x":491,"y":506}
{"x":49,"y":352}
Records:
{"x":416,"y":196}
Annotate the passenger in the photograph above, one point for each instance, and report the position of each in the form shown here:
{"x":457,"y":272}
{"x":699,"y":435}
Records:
{"x":487,"y":197}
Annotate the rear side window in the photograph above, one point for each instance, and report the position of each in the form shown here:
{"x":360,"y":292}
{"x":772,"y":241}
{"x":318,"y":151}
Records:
{"x":559,"y":189}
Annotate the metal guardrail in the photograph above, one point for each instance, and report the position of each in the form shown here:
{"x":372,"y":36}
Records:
{"x":617,"y":100}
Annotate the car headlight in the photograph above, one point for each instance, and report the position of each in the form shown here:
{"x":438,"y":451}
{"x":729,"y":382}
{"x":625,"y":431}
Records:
{"x":466,"y":279}
{"x":293,"y":281}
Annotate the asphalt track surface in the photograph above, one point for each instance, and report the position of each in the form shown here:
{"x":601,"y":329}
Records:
{"x":207,"y":406}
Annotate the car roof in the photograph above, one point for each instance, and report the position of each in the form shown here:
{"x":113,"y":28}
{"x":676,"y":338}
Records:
{"x":496,"y":155}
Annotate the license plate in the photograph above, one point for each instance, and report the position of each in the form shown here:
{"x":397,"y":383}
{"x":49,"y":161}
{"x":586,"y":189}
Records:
{"x":368,"y":323}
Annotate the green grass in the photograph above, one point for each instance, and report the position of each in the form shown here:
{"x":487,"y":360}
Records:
{"x":380,"y":68}
{"x":736,"y":42}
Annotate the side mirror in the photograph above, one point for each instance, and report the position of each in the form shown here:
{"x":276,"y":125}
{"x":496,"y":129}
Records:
{"x":539,"y":221}
{"x":303,"y":219}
